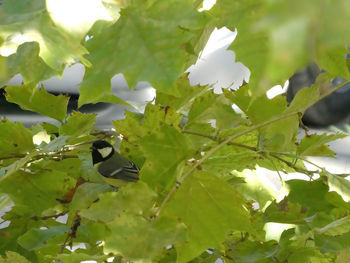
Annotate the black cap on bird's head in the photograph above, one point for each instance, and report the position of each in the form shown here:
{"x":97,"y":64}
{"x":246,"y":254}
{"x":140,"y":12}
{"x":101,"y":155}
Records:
{"x":101,"y":150}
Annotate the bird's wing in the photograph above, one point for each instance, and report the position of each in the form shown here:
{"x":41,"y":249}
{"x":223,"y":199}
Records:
{"x":118,"y":167}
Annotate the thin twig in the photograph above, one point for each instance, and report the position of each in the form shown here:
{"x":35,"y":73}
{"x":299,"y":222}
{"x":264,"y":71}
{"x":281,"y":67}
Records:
{"x":53,"y":155}
{"x":291,"y":165}
{"x":214,"y":138}
{"x":215,"y":149}
{"x":278,"y":172}
{"x":72,"y":232}
{"x":50,"y":216}
{"x":300,"y":158}
{"x":273,"y":154}
{"x":17,"y":155}
{"x":302,"y":125}
{"x":231,"y":248}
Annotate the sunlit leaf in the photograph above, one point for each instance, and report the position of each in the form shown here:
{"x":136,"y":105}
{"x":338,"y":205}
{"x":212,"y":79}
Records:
{"x":27,"y":62}
{"x":210,"y":208}
{"x":30,"y":21}
{"x":152,"y":40}
{"x":186,"y":95}
{"x":38,"y":100}
{"x":264,"y":109}
{"x":339,"y":184}
{"x":315,"y":144}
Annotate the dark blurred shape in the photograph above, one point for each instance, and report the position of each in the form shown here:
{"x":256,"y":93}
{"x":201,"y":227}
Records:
{"x":331,"y":110}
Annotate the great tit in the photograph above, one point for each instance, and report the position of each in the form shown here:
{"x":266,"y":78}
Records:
{"x":115,"y":169}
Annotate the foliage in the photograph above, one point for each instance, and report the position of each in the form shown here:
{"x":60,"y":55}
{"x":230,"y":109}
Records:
{"x":195,"y":200}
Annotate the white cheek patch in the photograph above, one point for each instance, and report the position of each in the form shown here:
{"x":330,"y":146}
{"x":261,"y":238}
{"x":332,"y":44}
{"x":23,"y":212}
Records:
{"x":105,"y":151}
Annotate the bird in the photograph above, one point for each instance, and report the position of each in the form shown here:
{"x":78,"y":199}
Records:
{"x":115,"y":169}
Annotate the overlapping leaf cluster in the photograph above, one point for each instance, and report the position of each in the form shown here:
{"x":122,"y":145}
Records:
{"x":195,"y":200}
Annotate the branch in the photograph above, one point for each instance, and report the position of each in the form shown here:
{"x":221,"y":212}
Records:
{"x":54,"y":156}
{"x":50,"y":216}
{"x":298,"y":169}
{"x":72,"y":233}
{"x":215,"y":149}
{"x":17,"y":156}
{"x":105,"y":134}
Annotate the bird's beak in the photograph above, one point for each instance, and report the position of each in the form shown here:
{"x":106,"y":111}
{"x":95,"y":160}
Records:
{"x":92,"y":148}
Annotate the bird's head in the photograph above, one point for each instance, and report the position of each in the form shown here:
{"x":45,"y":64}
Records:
{"x":101,"y":151}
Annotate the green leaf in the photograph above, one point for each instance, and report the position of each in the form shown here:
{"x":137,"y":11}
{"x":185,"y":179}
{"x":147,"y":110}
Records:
{"x":132,"y":130}
{"x":136,"y":198}
{"x":298,"y":248}
{"x":91,"y":232}
{"x":80,"y":257}
{"x":38,"y":191}
{"x":262,"y":109}
{"x":335,"y":228}
{"x":254,"y":188}
{"x":339,"y":184}
{"x":199,"y":128}
{"x":334,"y":61}
{"x":5,"y":201}
{"x":332,"y":35}
{"x":210,"y":208}
{"x":87,"y":194}
{"x":186,"y":95}
{"x":27,"y":62}
{"x":17,"y":165}
{"x":252,"y":45}
{"x":237,"y":14}
{"x":12,"y":256}
{"x":343,"y":256}
{"x":110,"y":98}
{"x":156,"y":115}
{"x":164,"y":151}
{"x":138,"y":239}
{"x":135,"y":126}
{"x":229,"y":158}
{"x":56,"y":144}
{"x":33,"y":21}
{"x":306,"y":97}
{"x":78,"y":124}
{"x":250,"y":251}
{"x":310,"y":194}
{"x":157,"y":41}
{"x":14,"y":139}
{"x":36,"y":238}
{"x":314,"y":144}
{"x":209,"y":106}
{"x":285,"y":212}
{"x":253,"y":49}
{"x":38,"y":100}
{"x":275,"y":33}
{"x":332,"y":243}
